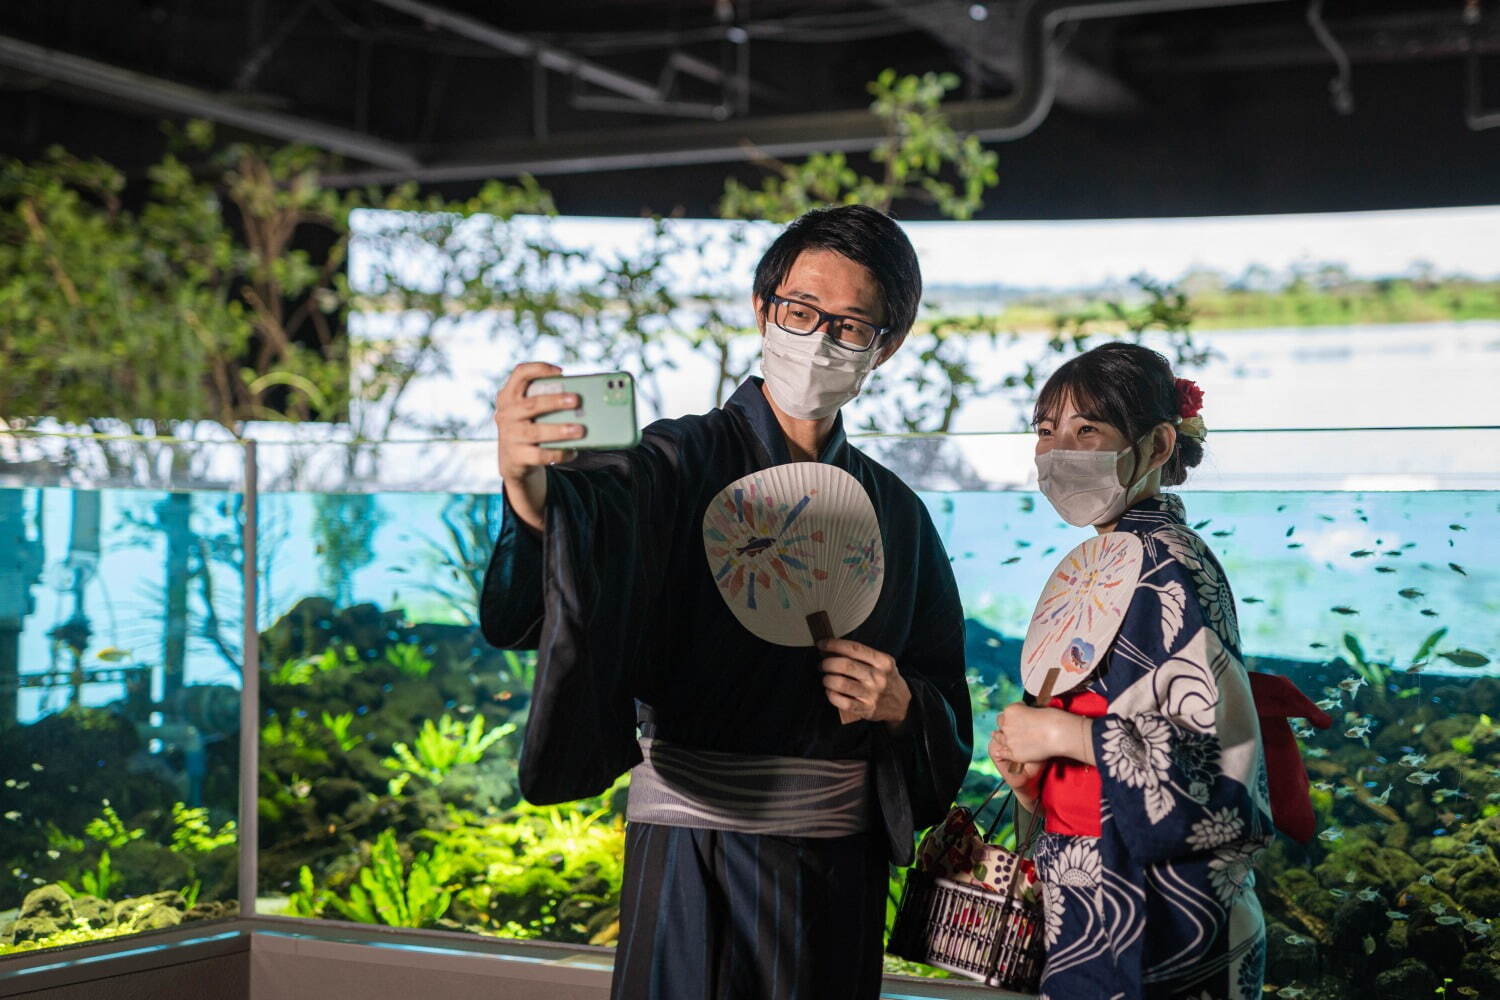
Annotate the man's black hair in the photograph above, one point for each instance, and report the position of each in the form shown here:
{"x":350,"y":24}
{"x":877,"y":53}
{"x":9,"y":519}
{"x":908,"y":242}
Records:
{"x":865,"y":236}
{"x":1129,"y":387}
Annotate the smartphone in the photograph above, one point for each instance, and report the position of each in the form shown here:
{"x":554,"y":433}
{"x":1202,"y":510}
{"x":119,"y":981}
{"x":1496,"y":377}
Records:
{"x":606,"y":409}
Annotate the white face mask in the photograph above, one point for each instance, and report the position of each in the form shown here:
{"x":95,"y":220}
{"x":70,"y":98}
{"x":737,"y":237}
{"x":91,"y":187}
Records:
{"x":1084,"y":486}
{"x":809,"y":377}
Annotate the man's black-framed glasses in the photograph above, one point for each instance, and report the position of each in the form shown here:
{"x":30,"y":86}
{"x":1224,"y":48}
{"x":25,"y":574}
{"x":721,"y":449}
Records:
{"x":849,"y":332}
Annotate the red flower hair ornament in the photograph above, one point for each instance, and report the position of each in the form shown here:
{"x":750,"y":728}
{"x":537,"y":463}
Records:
{"x":1189,"y":406}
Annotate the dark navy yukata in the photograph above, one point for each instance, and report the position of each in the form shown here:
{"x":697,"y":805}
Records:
{"x":618,"y":599}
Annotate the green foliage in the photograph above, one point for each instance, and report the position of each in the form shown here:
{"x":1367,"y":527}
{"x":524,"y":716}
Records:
{"x":302,"y":671}
{"x":194,"y":834}
{"x":204,"y":280}
{"x":442,"y":747}
{"x":409,"y":659}
{"x":392,"y":893}
{"x":108,"y":828}
{"x":308,"y":900}
{"x":338,"y":725}
{"x":922,"y":156}
{"x":98,"y":882}
{"x":1161,"y":309}
{"x":542,"y":871}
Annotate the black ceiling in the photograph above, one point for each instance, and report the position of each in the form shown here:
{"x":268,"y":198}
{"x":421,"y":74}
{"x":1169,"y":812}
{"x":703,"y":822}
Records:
{"x":1162,"y":107}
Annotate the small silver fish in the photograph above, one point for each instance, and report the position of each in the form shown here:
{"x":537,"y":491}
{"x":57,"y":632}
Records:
{"x":1323,"y":786}
{"x":1339,"y":893}
{"x":12,"y":815}
{"x":1450,"y":920}
{"x":1292,"y":992}
{"x":1421,"y":777}
{"x":1417,"y":760}
{"x":1479,"y":927}
{"x":1360,"y":729}
{"x":1396,"y":915}
{"x":1343,"y":792}
{"x":1351,"y":685}
{"x":1327,"y":704}
{"x":1427,"y":880}
{"x":1383,"y":797}
{"x":1367,"y":895}
{"x":1331,"y":834}
{"x":1476,"y":849}
{"x":1438,"y":908}
{"x":1298,"y":939}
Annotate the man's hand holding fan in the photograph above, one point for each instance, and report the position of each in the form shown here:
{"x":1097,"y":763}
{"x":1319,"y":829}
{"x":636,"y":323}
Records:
{"x":797,"y":554}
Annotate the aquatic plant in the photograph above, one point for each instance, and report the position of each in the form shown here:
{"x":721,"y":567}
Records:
{"x":392,"y":893}
{"x":303,"y":670}
{"x":440,"y":748}
{"x":408,"y":659}
{"x":540,"y":871}
{"x":309,"y":900}
{"x":98,"y":882}
{"x":339,"y":725}
{"x":108,"y":828}
{"x":194,"y":834}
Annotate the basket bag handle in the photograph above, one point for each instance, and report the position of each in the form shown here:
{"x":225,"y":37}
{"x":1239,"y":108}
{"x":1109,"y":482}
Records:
{"x":1023,"y":840}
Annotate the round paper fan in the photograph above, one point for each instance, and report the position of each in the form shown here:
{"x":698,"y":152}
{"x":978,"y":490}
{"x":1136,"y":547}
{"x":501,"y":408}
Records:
{"x":1080,"y":610}
{"x":793,"y":541}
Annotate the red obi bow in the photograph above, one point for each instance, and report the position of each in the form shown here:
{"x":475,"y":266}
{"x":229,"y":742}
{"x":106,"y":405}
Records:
{"x":1072,"y":792}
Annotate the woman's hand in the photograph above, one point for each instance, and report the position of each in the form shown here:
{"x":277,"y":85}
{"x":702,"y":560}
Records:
{"x":1029,"y":735}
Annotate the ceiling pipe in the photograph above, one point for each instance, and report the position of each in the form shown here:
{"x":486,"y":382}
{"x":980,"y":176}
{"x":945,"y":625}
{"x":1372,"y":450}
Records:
{"x":163,"y":95}
{"x":550,"y":56}
{"x":1003,"y":120}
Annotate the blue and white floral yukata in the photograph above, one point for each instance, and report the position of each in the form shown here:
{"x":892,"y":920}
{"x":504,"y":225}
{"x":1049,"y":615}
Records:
{"x":1161,"y":905}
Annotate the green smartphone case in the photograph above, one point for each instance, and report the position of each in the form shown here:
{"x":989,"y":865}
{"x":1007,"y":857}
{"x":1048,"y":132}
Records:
{"x":606,"y":409}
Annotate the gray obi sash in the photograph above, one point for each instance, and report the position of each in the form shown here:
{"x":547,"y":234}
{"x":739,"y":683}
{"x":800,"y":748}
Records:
{"x":749,"y":793}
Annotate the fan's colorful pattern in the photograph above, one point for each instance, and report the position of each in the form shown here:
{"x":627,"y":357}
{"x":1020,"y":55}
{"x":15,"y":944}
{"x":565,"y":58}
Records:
{"x":864,"y":562}
{"x":760,"y":547}
{"x":1089,"y":587}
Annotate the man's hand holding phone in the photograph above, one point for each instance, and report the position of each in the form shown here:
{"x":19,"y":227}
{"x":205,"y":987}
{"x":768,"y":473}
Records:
{"x":526,"y":447}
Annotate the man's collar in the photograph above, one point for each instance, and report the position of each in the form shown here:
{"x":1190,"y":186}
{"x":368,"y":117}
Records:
{"x":750,"y":400}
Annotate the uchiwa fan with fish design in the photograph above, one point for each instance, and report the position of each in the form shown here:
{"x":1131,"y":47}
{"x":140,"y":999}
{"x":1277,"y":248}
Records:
{"x":788,"y":542}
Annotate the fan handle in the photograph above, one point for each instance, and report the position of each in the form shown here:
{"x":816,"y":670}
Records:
{"x":821,"y":627}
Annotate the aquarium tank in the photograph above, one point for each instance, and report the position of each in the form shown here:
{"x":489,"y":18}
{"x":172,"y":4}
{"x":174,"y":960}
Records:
{"x":377,"y":784}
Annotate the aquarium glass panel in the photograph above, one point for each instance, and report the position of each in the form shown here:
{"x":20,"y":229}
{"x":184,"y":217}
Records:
{"x":1364,"y":566}
{"x":121,"y":647}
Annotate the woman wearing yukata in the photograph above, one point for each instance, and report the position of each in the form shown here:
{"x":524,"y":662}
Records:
{"x":1150,"y":772}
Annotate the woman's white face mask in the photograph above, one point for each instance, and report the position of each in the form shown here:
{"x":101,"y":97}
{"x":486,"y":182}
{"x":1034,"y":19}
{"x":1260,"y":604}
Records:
{"x":809,"y":377}
{"x":1084,"y":486}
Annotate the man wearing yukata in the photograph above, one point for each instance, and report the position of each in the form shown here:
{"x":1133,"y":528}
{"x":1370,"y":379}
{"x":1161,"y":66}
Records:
{"x":774,"y":886}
